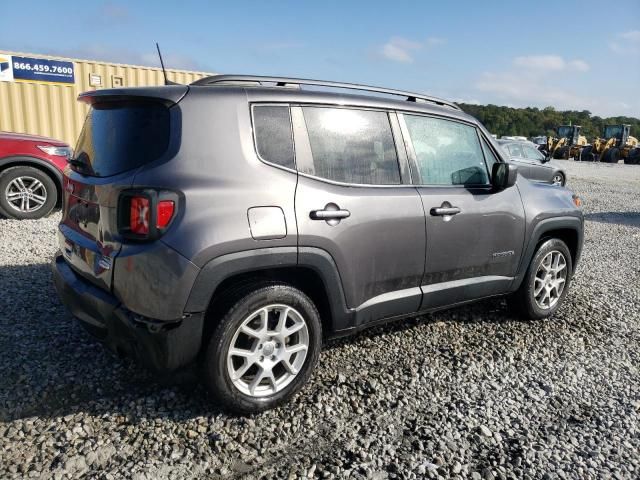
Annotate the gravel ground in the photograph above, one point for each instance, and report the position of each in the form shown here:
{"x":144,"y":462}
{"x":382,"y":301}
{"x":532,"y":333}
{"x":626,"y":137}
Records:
{"x":469,"y":393}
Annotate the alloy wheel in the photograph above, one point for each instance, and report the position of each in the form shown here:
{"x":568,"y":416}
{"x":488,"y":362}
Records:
{"x":26,"y":194}
{"x":557,"y":179}
{"x":550,"y":279}
{"x":268,"y":350}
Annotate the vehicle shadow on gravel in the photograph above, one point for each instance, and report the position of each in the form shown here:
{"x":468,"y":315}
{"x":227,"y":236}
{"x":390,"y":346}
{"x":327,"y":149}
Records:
{"x":629,"y":219}
{"x":489,"y":311}
{"x":49,"y":366}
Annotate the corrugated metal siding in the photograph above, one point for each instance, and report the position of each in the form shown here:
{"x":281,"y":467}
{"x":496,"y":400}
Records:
{"x":52,"y":110}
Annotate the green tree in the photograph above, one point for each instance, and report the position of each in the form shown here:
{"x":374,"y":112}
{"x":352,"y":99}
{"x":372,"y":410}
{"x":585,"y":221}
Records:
{"x":530,"y":122}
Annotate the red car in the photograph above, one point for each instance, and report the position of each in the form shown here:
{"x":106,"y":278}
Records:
{"x":30,"y":174}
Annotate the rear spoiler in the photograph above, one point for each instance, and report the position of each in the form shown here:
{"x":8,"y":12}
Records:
{"x":169,"y":95}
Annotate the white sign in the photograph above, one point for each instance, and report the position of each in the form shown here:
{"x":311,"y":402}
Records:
{"x":6,"y":68}
{"x":95,"y":80}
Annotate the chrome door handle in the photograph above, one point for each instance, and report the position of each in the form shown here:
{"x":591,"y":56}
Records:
{"x":442,"y":211}
{"x":329,"y":214}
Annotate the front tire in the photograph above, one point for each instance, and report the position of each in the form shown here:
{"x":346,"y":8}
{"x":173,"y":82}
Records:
{"x":562,"y":153}
{"x":546,"y":282}
{"x":263,"y":349}
{"x":26,"y":193}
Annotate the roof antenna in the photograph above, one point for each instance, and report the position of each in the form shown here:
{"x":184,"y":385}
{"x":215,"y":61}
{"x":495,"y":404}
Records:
{"x":164,"y":72}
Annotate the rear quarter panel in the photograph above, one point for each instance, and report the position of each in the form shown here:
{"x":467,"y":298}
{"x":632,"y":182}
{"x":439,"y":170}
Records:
{"x":220,"y":177}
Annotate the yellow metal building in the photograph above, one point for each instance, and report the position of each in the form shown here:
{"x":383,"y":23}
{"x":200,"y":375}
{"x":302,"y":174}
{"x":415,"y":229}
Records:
{"x":50,"y":108}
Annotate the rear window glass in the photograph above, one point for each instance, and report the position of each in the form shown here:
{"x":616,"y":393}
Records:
{"x":272,"y":125}
{"x":121,"y":136}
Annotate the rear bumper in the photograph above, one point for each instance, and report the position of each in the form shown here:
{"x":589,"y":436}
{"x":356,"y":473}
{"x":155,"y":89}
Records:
{"x":161,"y":345}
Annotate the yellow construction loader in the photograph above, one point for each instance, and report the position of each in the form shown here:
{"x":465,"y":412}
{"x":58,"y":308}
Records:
{"x":616,"y":143}
{"x":568,"y":144}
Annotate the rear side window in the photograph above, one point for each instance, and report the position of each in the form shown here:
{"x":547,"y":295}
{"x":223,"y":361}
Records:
{"x":352,"y":146}
{"x":515,"y":150}
{"x":447,"y":152}
{"x":121,"y":136}
{"x":272,"y":128}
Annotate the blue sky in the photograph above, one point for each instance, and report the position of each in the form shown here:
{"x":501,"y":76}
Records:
{"x":514,"y":53}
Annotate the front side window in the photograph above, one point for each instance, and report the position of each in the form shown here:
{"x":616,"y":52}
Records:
{"x":532,"y":153}
{"x":447,"y":152}
{"x":566,"y":132}
{"x":489,"y":156}
{"x":352,"y":146}
{"x":613,"y":131}
{"x":274,"y":143}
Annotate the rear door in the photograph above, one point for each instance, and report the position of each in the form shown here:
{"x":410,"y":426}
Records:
{"x":355,"y":202}
{"x":120,"y":135}
{"x":474,"y":234}
{"x":517,"y":157}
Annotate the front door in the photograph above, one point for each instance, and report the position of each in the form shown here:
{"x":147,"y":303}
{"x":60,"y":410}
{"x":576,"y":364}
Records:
{"x":351,"y":202}
{"x":474,"y":234}
{"x":540,"y":170}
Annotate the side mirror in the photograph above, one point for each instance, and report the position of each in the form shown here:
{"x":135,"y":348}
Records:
{"x":546,"y":158}
{"x":503,"y":175}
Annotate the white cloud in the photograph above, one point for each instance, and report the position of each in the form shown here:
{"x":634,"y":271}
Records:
{"x":578,"y":65}
{"x":537,"y":80}
{"x":106,"y":53}
{"x":399,"y":49}
{"x":626,"y":43}
{"x":540,"y":62}
{"x":114,"y":12}
{"x":526,"y":88}
{"x":550,"y":63}
{"x":632,"y":36}
{"x":435,"y":41}
{"x":276,"y":46}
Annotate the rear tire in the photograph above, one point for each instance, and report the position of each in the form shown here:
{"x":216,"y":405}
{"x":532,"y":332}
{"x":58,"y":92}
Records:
{"x":546,"y":282}
{"x":586,"y":155}
{"x":269,"y":365}
{"x":26,"y":193}
{"x":633,"y":158}
{"x":612,"y":156}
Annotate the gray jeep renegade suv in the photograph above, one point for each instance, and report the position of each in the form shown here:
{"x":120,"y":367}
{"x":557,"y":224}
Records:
{"x":240,"y":220}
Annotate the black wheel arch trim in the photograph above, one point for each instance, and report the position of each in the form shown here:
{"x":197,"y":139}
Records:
{"x":26,"y":160}
{"x":221,"y":268}
{"x":575,"y":223}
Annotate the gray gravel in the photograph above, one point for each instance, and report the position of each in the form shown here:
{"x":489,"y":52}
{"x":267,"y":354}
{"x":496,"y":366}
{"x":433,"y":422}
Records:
{"x":469,"y":393}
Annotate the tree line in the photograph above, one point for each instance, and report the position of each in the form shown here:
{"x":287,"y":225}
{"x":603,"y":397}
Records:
{"x":531,"y":121}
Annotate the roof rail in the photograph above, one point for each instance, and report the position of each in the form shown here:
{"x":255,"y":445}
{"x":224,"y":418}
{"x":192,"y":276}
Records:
{"x":285,"y":81}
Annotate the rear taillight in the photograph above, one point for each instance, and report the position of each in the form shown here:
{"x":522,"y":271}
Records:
{"x":139,"y":213}
{"x":145,"y":214}
{"x":164,"y":213}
